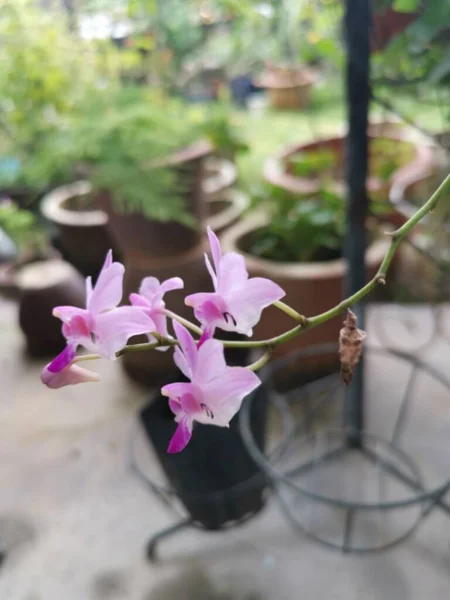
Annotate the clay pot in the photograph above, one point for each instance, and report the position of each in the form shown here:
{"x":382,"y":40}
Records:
{"x":83,"y":233}
{"x":220,"y":176}
{"x":288,"y":88}
{"x":42,"y":286}
{"x":278,"y":171}
{"x":311,"y":288}
{"x":137,"y":237}
{"x":388,"y":24}
{"x":224,"y":211}
{"x":150,"y":368}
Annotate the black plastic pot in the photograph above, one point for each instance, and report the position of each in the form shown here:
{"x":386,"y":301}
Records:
{"x":214,"y":477}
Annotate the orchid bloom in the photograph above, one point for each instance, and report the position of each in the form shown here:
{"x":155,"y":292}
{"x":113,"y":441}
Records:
{"x":70,"y":375}
{"x":214,"y":393}
{"x":150,"y":299}
{"x":101,"y":327}
{"x":237,"y":302}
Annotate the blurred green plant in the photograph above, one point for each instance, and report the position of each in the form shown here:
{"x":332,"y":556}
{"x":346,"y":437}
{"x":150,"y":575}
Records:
{"x":21,"y":226}
{"x":46,"y":74}
{"x":222,"y":129}
{"x":122,"y":140}
{"x":300,"y":229}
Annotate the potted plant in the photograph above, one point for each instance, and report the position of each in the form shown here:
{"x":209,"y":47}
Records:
{"x":297,"y":242}
{"x":288,"y":87}
{"x":81,"y":228}
{"x":36,"y":276}
{"x":214,"y":492}
{"x":306,"y":168}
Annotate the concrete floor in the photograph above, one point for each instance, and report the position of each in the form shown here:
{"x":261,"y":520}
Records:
{"x":75,"y":520}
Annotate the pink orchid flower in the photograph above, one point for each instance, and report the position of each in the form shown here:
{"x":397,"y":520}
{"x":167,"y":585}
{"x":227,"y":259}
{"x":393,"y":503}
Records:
{"x":150,"y":299}
{"x":215,"y":391}
{"x":237,"y":302}
{"x":101,"y":327}
{"x":70,"y":375}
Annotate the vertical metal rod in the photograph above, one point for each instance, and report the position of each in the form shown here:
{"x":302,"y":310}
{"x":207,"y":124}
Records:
{"x":357,"y":30}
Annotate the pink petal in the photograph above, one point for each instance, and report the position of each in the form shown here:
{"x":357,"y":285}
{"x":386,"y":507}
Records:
{"x":160,"y":321}
{"x":71,"y":375}
{"x":247,"y":303}
{"x":187,"y":345}
{"x":107,"y":292}
{"x":139,"y":300}
{"x":89,"y":290}
{"x":181,"y":362}
{"x":191,"y":405}
{"x":211,"y":271}
{"x":210,"y":362}
{"x":209,"y":308}
{"x":232,"y":274}
{"x":224,"y":395}
{"x":179,"y":389}
{"x":174,"y":283}
{"x":149,"y":287}
{"x":216,"y":250}
{"x":108,"y":260}
{"x":114,"y":328}
{"x":78,"y":328}
{"x":65,"y":313}
{"x":175,"y":406}
{"x":63,"y":359}
{"x":181,"y":437}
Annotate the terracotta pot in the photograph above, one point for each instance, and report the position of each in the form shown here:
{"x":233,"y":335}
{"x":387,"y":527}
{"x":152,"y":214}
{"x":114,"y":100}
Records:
{"x":223,"y":212}
{"x":220,"y":175}
{"x":288,"y":88}
{"x":311,"y":288}
{"x":137,"y":237}
{"x":388,"y":24}
{"x":278,"y":172}
{"x":409,"y":192}
{"x":150,"y":368}
{"x":83,"y":234}
{"x":42,"y":286}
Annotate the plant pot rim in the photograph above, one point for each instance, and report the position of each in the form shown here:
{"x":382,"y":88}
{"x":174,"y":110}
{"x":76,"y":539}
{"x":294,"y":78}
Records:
{"x":224,"y":177}
{"x":398,"y":191}
{"x":52,"y":207}
{"x":303,"y":77}
{"x":238,"y":202}
{"x":275,"y":174}
{"x":195,"y":151}
{"x":288,"y":270}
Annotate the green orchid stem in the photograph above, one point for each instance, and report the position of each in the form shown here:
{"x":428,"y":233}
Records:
{"x":185,"y":322}
{"x":304,"y":323}
{"x":263,"y":360}
{"x":290,"y":311}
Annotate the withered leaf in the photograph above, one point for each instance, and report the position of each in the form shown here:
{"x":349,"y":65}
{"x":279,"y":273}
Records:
{"x":350,"y":346}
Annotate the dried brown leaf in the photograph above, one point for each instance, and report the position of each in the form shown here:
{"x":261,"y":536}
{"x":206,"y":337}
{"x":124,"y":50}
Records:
{"x":350,"y":346}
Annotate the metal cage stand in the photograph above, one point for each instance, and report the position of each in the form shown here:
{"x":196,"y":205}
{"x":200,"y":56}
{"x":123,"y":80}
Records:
{"x":344,"y":487}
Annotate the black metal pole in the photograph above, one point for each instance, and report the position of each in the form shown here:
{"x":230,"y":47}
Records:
{"x":357,"y":31}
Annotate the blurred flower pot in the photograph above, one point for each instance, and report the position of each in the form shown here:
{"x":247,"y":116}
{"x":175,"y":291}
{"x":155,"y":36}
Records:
{"x":311,"y":288}
{"x":279,"y":169}
{"x":138,"y":238}
{"x":82,"y":230}
{"x":150,"y":368}
{"x":42,"y":286}
{"x":224,"y":211}
{"x":214,"y":476}
{"x":288,"y":88}
{"x":220,"y":175}
{"x":388,"y":24}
